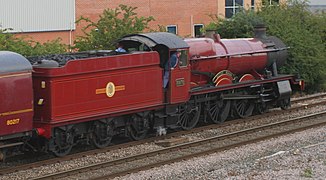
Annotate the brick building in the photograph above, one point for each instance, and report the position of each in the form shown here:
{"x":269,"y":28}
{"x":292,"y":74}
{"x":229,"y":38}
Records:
{"x":183,"y":17}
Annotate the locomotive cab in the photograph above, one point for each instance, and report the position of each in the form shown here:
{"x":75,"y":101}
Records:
{"x":179,"y":80}
{"x":166,"y":44}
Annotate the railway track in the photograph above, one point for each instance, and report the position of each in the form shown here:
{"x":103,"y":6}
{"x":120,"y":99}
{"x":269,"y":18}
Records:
{"x":189,"y":150}
{"x":306,"y":98}
{"x":176,"y":134}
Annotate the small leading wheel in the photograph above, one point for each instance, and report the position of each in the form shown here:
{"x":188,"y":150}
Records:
{"x":218,"y":111}
{"x":260,"y":108}
{"x":243,"y":108}
{"x":102,"y":134}
{"x":285,"y":103}
{"x":138,"y":127}
{"x":189,"y":115}
{"x":62,"y":142}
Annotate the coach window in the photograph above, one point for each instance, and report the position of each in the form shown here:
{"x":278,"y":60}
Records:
{"x":197,"y":28}
{"x":232,"y":7}
{"x":183,"y":60}
{"x":172,"y":29}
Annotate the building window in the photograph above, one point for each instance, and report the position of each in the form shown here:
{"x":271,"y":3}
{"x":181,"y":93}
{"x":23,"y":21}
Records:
{"x":197,"y":28}
{"x":253,"y":4}
{"x":171,"y":29}
{"x":232,"y":7}
{"x":271,"y":2}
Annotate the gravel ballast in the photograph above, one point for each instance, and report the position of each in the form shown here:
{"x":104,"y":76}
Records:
{"x":300,"y":155}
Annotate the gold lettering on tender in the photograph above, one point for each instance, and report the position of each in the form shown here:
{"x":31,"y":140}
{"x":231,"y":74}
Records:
{"x":13,"y":122}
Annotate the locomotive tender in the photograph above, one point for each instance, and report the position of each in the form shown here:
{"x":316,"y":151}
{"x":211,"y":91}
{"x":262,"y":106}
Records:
{"x":91,"y":96}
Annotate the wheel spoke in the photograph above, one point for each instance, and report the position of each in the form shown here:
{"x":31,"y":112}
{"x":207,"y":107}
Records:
{"x":185,"y":118}
{"x":214,"y":110}
{"x":218,"y":110}
{"x":243,"y":108}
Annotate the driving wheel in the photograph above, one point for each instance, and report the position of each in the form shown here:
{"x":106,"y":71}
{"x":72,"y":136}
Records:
{"x":189,"y":115}
{"x":243,"y":108}
{"x":218,"y":111}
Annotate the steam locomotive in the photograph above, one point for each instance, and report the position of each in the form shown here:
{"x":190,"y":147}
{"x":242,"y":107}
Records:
{"x":51,"y":103}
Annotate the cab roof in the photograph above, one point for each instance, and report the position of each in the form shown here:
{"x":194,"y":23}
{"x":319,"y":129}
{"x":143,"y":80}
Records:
{"x":152,"y":39}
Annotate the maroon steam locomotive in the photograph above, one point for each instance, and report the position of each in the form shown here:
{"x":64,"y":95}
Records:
{"x":89,"y":97}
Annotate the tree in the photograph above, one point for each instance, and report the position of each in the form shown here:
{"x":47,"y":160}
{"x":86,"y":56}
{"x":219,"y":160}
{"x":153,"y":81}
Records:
{"x":112,"y":25}
{"x":303,"y":31}
{"x":240,"y":25}
{"x":28,"y":47}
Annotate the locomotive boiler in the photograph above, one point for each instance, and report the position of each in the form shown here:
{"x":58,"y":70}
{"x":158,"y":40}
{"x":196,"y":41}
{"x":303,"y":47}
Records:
{"x":223,"y":61}
{"x":89,"y":97}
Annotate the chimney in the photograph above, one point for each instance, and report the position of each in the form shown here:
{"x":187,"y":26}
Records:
{"x":260,"y":31}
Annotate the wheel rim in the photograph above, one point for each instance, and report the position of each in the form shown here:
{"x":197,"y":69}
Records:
{"x":138,"y":128}
{"x":189,"y":115}
{"x":243,"y":108}
{"x":225,"y":111}
{"x":63,"y":142}
{"x":102,"y":134}
{"x":219,"y":111}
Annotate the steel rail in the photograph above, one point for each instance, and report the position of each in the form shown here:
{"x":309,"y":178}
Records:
{"x":306,"y":98}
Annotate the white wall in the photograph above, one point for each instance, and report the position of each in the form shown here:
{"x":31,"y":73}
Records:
{"x":317,"y":2}
{"x":37,"y":15}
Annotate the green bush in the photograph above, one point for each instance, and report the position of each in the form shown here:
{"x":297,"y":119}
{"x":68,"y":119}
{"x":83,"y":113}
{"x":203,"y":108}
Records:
{"x":112,"y":25}
{"x":239,"y":26}
{"x":304,"y":32}
{"x":9,"y":42}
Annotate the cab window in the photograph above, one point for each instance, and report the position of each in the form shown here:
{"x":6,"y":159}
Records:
{"x":183,"y":61}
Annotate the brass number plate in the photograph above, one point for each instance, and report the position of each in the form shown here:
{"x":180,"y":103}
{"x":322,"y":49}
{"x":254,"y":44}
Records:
{"x":180,"y":82}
